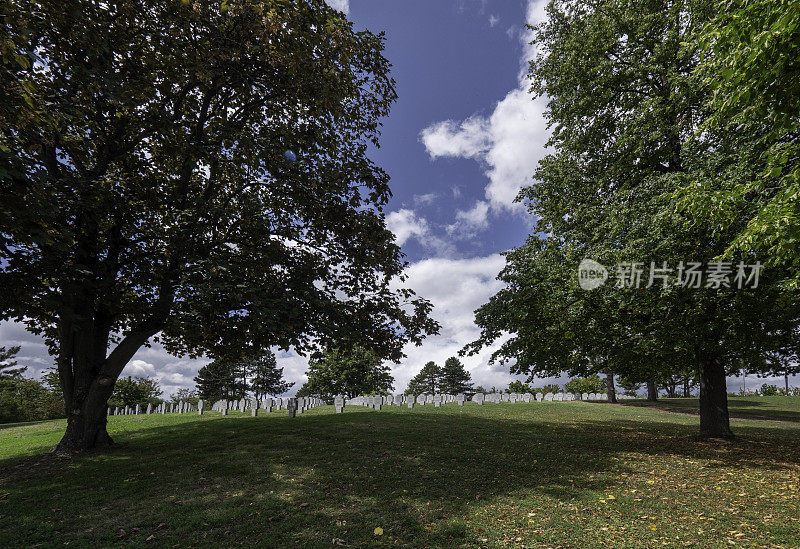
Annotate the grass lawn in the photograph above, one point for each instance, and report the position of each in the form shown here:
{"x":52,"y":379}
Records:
{"x":560,"y":474}
{"x":756,"y":407}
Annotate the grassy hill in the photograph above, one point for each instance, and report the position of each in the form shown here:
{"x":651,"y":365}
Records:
{"x":509,"y":475}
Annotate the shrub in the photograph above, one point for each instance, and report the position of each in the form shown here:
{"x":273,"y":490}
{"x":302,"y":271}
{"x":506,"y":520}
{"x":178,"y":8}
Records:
{"x":769,"y":390}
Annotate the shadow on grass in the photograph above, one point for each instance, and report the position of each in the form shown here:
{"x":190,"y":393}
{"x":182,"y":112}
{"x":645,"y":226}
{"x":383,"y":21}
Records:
{"x":25,"y":423}
{"x":744,"y":409}
{"x":321,"y":478}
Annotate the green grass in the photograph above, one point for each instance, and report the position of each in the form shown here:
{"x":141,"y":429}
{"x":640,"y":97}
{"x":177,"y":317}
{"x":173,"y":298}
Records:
{"x":756,"y":407}
{"x":563,"y":474}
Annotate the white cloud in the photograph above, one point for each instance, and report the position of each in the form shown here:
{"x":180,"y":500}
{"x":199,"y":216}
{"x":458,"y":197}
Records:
{"x":341,"y":5}
{"x":456,"y":287}
{"x":493,"y":20}
{"x":468,"y":139}
{"x":405,"y":224}
{"x":469,"y":222}
{"x":425,"y":199}
{"x":138,"y":368}
{"x":509,"y":142}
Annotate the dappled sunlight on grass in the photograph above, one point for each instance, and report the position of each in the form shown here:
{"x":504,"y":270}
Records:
{"x":538,"y":474}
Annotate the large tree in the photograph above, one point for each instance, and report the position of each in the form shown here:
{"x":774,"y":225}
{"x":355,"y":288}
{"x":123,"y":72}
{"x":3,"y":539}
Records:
{"x":145,"y":190}
{"x":222,"y":378}
{"x":347,"y":372}
{"x":265,"y":376}
{"x":454,"y":378}
{"x":624,"y":104}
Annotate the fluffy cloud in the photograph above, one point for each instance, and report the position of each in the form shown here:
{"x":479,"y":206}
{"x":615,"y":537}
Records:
{"x":469,"y":222}
{"x":405,"y":224}
{"x":509,"y":143}
{"x":456,"y":287}
{"x":341,"y":5}
{"x":470,"y":138}
{"x":139,"y":368}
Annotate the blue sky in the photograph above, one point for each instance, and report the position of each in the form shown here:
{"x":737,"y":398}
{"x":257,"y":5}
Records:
{"x":452,"y":60}
{"x":461,"y":140}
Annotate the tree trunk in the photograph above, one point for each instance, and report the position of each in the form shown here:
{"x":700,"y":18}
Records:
{"x":89,"y":374}
{"x":786,"y":380}
{"x":652,"y":391}
{"x":714,"y":418}
{"x":612,"y":391}
{"x":686,"y":393}
{"x":85,"y":430}
{"x":86,"y":416}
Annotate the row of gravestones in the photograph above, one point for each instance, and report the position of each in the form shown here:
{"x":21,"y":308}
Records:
{"x":180,"y":407}
{"x":377,"y":401}
{"x":294,"y":405}
{"x":299,"y":405}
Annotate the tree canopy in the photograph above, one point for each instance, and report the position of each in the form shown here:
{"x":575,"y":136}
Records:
{"x":265,"y":376}
{"x":130,"y":391}
{"x":454,"y":378}
{"x":589,"y":384}
{"x":9,"y":368}
{"x":750,"y":55}
{"x":146,"y":193}
{"x":347,"y":372}
{"x":625,"y":107}
{"x":428,"y":380}
{"x":223,"y":378}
